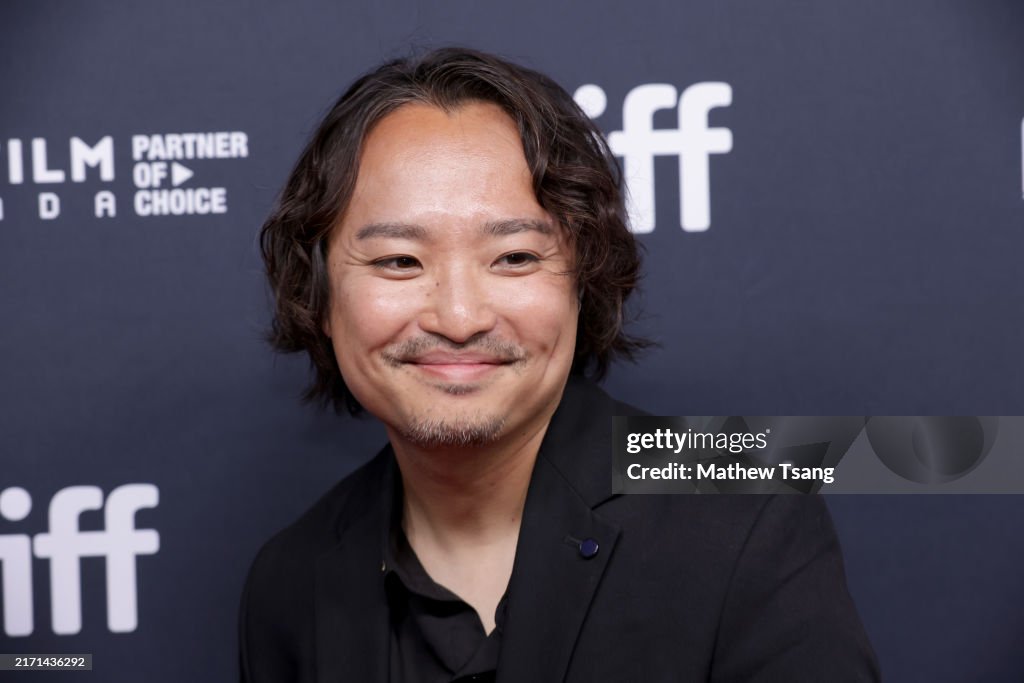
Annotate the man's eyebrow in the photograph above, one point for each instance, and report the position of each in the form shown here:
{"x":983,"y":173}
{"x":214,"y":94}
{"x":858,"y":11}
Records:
{"x":398,"y":231}
{"x":517,"y":225}
{"x":410,"y":231}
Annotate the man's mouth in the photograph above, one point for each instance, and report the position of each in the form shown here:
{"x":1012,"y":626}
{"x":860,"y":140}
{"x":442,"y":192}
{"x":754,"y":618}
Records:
{"x":454,"y":366}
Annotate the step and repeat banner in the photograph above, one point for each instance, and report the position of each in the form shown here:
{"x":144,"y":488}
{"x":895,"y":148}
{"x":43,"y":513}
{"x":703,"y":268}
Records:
{"x":830,"y":197}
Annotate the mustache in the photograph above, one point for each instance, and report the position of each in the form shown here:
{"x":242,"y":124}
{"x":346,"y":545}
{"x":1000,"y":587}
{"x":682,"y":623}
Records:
{"x":411,"y":349}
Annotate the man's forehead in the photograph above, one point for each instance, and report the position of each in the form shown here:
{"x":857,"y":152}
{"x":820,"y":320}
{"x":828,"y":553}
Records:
{"x":426,"y":172}
{"x":418,"y":123}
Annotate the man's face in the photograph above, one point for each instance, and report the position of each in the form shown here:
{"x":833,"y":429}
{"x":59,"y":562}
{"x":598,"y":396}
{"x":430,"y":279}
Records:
{"x":453,"y":311}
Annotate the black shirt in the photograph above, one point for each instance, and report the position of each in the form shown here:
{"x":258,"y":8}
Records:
{"x":436,"y":637}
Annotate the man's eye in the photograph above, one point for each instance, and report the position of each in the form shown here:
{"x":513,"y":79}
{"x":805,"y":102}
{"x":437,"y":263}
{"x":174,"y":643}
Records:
{"x":518,"y":258}
{"x":397,"y":263}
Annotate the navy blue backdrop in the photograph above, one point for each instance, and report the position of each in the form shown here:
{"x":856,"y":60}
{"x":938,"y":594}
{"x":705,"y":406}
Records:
{"x":845,"y":238}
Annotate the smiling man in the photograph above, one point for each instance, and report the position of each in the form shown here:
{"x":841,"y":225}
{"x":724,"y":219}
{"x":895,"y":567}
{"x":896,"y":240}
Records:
{"x":453,"y":303}
{"x":451,"y":251}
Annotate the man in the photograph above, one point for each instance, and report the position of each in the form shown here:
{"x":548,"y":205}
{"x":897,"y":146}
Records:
{"x":452,"y":253}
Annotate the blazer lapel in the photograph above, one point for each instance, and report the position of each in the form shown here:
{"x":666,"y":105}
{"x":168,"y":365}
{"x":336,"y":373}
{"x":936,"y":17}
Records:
{"x":352,"y":636}
{"x":556,"y":572}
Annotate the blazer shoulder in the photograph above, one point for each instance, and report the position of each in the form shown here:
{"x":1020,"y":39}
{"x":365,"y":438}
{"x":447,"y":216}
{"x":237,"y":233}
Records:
{"x":319,"y":527}
{"x":623,"y":408}
{"x":275,"y":616}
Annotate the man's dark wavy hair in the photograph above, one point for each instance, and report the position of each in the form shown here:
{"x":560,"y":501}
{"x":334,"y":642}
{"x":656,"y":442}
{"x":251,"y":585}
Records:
{"x":575,"y":178}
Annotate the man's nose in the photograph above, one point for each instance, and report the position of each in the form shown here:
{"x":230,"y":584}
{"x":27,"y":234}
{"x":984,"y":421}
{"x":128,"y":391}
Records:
{"x":459,"y":304}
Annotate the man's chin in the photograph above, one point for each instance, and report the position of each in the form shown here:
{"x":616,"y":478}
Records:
{"x":457,"y":388}
{"x":463,"y":432}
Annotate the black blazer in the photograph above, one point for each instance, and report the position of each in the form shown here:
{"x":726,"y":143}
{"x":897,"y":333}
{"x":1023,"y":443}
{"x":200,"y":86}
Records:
{"x":682,"y":588}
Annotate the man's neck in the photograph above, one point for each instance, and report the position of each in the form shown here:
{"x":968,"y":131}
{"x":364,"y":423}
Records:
{"x":461,"y":512}
{"x":471,"y":495}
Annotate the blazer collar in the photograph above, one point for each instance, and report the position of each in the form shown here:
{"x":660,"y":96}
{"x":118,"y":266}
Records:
{"x":578,"y":441}
{"x":555,"y":576}
{"x":351,"y":609}
{"x":553,"y":579}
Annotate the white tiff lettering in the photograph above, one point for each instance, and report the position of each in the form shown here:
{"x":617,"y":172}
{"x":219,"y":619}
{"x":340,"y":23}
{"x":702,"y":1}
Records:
{"x":639,"y":142}
{"x":65,"y":544}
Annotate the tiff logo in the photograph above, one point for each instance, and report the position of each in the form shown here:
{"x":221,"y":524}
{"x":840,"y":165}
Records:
{"x":64,"y":545}
{"x":691,"y":140}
